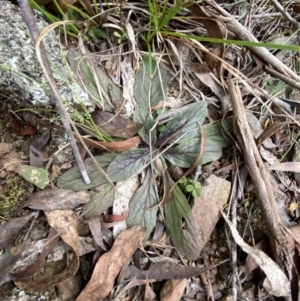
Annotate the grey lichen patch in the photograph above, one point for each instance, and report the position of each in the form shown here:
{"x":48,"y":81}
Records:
{"x":21,"y":77}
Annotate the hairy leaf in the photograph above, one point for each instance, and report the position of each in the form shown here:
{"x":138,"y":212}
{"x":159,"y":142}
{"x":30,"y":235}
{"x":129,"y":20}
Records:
{"x":139,"y":206}
{"x":86,"y":68}
{"x":100,"y":200}
{"x":72,"y":179}
{"x":187,"y":121}
{"x":143,"y":117}
{"x":186,"y":153}
{"x":150,"y":89}
{"x":127,"y":164}
{"x":180,"y":223}
{"x":214,"y":131}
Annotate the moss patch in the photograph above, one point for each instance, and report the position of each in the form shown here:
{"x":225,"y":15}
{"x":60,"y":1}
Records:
{"x":14,"y":191}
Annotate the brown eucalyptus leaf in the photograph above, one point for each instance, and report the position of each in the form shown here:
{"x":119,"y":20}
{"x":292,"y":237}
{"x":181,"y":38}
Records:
{"x":10,"y":229}
{"x":64,"y":222}
{"x":118,"y":146}
{"x":207,"y":208}
{"x":8,"y":259}
{"x":110,"y":264}
{"x":40,"y":142}
{"x":164,"y":271}
{"x":52,"y":241}
{"x":95,"y":228}
{"x":115,"y":125}
{"x":173,"y":290}
{"x":204,"y":74}
{"x":36,"y":157}
{"x":214,"y":31}
{"x":57,"y":199}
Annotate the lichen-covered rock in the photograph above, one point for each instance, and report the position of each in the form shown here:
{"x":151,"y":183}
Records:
{"x":21,"y":77}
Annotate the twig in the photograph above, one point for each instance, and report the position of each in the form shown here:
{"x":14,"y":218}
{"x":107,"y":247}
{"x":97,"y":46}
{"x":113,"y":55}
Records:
{"x":29,"y":19}
{"x":261,"y":181}
{"x":283,"y":11}
{"x":283,"y":77}
{"x":242,"y":33}
{"x":234,"y":245}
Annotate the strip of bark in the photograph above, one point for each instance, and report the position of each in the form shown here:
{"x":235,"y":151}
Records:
{"x":261,"y":182}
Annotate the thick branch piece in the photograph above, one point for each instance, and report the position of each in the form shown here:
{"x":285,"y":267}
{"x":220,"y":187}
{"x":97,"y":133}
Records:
{"x":261,"y":181}
{"x":31,"y":24}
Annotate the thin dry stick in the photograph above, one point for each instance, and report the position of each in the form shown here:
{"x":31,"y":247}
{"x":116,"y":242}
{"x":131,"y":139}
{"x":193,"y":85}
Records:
{"x":29,"y":19}
{"x":261,"y":181}
{"x":283,"y":77}
{"x":280,"y":8}
{"x":234,"y":245}
{"x":242,"y":33}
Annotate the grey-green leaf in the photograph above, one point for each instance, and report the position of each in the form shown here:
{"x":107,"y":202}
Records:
{"x":187,"y":121}
{"x":177,"y":214}
{"x":81,"y":65}
{"x":185,"y":154}
{"x":127,"y":164}
{"x":143,"y":117}
{"x":72,"y":179}
{"x":100,"y":200}
{"x":139,"y":206}
{"x":150,"y":89}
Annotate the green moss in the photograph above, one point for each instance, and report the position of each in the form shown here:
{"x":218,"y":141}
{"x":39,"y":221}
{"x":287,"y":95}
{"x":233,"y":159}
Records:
{"x":13,"y":191}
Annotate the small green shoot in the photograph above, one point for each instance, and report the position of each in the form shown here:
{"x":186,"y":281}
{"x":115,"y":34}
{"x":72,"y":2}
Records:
{"x":190,"y":187}
{"x":121,"y":36}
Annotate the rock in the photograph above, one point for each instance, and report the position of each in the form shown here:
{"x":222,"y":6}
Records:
{"x":21,"y":77}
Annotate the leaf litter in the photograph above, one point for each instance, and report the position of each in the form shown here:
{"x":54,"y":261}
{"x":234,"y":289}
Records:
{"x":152,"y":213}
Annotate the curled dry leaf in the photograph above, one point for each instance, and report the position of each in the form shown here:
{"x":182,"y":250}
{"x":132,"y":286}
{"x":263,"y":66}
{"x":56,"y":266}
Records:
{"x":57,"y":199}
{"x":64,"y":222}
{"x":110,"y":264}
{"x":115,"y":125}
{"x":279,"y":284}
{"x":52,"y":241}
{"x":8,"y":260}
{"x":203,"y":73}
{"x":10,"y":229}
{"x":118,"y":146}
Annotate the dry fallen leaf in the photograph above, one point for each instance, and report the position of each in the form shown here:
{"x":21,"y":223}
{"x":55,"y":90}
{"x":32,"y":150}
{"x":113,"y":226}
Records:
{"x":52,"y":241}
{"x":110,"y":264}
{"x":64,"y":222}
{"x":10,"y":229}
{"x":164,"y":271}
{"x":115,"y":125}
{"x":207,"y":208}
{"x":8,"y":260}
{"x":278,"y":282}
{"x":118,"y":146}
{"x":57,"y":199}
{"x":173,"y":290}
